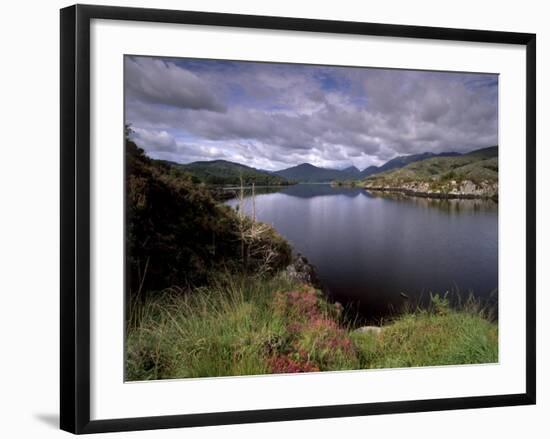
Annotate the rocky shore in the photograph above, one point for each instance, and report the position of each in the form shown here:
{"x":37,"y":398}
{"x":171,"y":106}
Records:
{"x":301,"y":270}
{"x":465,"y":189}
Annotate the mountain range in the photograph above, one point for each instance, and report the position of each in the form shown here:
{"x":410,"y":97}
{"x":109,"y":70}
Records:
{"x":223,"y":172}
{"x":309,"y":173}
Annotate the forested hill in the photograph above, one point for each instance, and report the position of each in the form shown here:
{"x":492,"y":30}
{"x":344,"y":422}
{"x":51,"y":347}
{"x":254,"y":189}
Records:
{"x":309,"y":173}
{"x":226,"y":173}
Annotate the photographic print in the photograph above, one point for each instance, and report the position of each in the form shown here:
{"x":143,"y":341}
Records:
{"x":285,"y":218}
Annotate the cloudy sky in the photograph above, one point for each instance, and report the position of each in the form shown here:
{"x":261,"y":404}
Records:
{"x":273,"y":116}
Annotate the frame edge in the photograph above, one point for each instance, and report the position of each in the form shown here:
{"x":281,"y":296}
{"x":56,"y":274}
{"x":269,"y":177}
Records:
{"x":75,"y":219}
{"x":67,"y":419}
{"x":531,"y":225}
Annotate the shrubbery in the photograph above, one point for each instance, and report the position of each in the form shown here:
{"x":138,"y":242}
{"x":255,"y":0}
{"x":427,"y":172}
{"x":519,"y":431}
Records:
{"x":177,"y":233}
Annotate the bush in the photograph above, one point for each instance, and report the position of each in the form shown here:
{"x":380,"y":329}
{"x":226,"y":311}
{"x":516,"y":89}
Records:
{"x":177,"y":233}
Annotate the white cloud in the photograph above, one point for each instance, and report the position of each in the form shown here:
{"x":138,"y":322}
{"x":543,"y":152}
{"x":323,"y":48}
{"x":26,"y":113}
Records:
{"x":154,"y":140}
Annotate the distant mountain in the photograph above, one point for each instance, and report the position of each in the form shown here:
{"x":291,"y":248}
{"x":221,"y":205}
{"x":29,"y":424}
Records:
{"x":369,"y":171}
{"x":223,"y":172}
{"x":352,"y":170}
{"x":491,"y":151}
{"x":309,"y":173}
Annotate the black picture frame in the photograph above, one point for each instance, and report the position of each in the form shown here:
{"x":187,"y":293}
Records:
{"x":75,"y":217}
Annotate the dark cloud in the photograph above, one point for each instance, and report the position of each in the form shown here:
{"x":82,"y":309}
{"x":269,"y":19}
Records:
{"x":157,"y":81}
{"x":278,"y":115}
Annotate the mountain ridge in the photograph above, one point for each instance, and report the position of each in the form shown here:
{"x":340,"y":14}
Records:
{"x":225,"y":172}
{"x":308,"y":173}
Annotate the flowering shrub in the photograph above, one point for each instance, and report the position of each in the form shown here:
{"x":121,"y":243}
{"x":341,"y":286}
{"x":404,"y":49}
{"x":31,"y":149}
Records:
{"x":286,"y":364}
{"x":298,"y":305}
{"x":315,"y":340}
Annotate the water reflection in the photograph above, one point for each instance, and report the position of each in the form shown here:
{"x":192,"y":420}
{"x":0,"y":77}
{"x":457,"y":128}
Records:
{"x":369,"y":248}
{"x":302,"y":190}
{"x":445,"y":205}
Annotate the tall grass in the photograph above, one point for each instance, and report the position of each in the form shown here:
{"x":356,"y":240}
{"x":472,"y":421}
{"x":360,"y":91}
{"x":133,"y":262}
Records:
{"x":223,"y":329}
{"x":242,"y":325}
{"x":437,"y":335}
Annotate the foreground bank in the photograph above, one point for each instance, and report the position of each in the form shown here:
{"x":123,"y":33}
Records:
{"x":241,"y":325}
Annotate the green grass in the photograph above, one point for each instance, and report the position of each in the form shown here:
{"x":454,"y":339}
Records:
{"x":246,"y":326}
{"x":227,"y":328}
{"x":439,"y":336}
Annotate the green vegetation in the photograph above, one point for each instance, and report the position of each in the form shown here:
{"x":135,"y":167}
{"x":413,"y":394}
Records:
{"x":437,"y":336}
{"x":473,"y":174}
{"x":239,"y":325}
{"x":225,"y":173}
{"x":177,"y":234}
{"x":475,"y":166}
{"x":402,"y":161}
{"x":345,"y":183}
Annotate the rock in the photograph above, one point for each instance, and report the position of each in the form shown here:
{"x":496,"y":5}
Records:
{"x":301,"y":270}
{"x":466,"y":189}
{"x":376,"y":330}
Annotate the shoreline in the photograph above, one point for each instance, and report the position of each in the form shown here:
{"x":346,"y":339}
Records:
{"x":435,"y":195}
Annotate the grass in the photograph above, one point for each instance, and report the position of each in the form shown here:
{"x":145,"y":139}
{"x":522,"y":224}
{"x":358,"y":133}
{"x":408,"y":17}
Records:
{"x":437,"y":336}
{"x":246,"y":326}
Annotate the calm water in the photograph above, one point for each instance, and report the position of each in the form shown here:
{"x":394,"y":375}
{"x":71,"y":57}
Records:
{"x":369,"y":249}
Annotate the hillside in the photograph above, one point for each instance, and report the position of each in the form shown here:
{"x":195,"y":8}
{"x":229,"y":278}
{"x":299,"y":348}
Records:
{"x":401,"y":161}
{"x":222,"y":172}
{"x":309,"y":173}
{"x":471,"y":175}
{"x":178,"y":234}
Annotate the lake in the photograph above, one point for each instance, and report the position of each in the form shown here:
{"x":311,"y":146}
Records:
{"x":371,"y":250}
